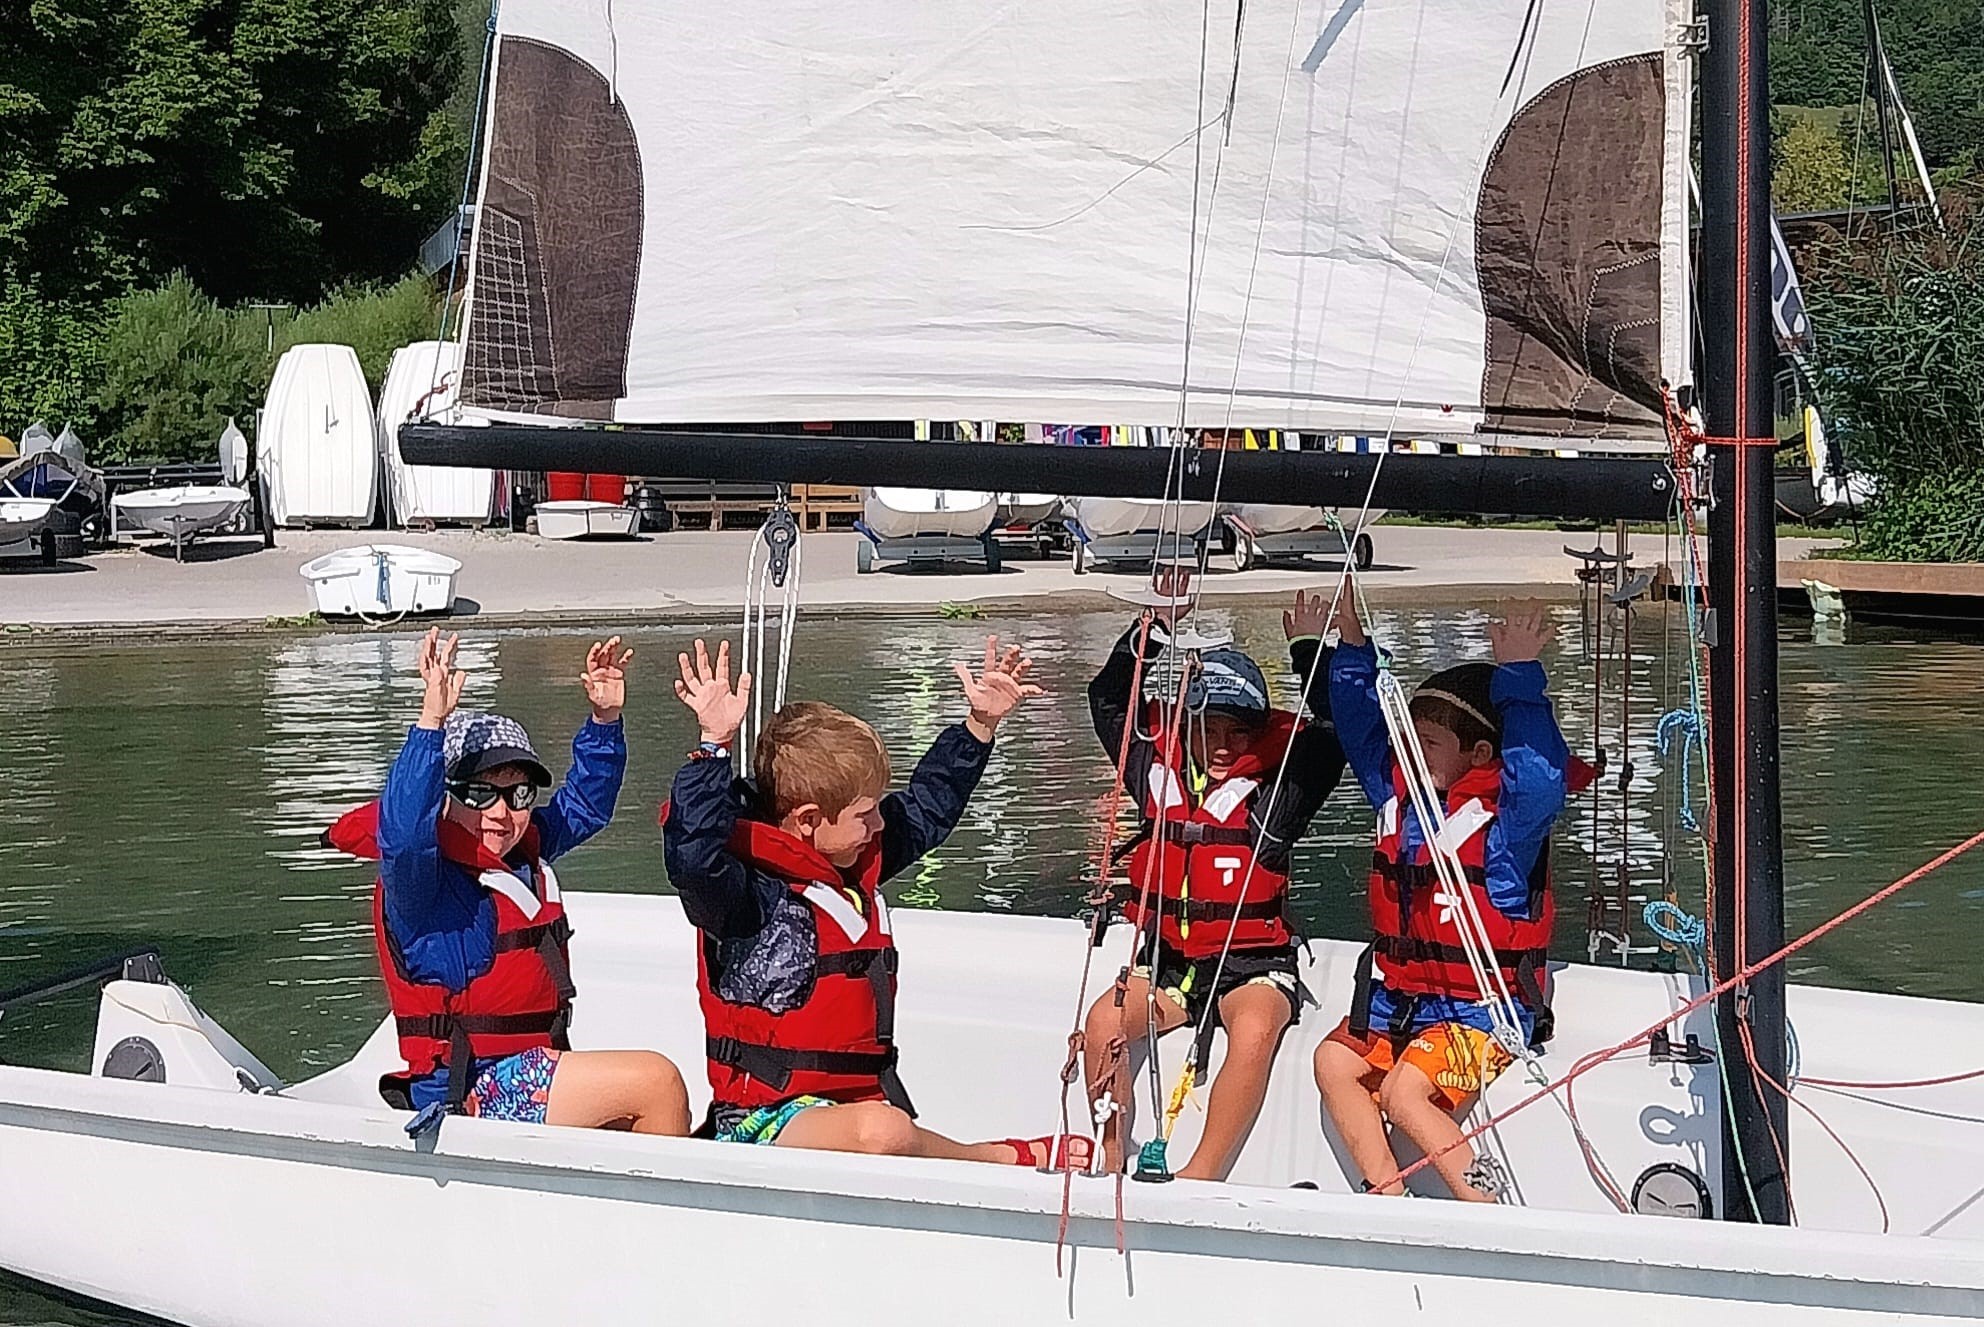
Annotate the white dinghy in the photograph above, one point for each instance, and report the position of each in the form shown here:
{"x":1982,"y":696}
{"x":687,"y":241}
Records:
{"x":927,"y":525}
{"x":422,"y":382}
{"x":374,"y":581}
{"x":581,"y":518}
{"x":23,"y":518}
{"x":184,"y":512}
{"x":289,"y":1200}
{"x":317,"y":441}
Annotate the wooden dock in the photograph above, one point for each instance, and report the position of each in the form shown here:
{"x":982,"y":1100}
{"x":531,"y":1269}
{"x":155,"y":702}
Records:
{"x":1885,"y":591}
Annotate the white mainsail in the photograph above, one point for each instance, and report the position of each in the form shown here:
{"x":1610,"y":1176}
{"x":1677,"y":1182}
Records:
{"x":892,"y":210}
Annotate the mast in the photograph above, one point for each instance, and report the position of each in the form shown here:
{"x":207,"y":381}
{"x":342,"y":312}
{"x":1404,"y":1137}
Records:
{"x":1736,"y":373}
{"x":1876,"y":75}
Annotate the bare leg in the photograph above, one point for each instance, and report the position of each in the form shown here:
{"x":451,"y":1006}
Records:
{"x":641,"y":1090}
{"x":1255,"y":1016}
{"x":1105,"y":1021}
{"x":1413,"y":1106}
{"x":879,"y":1129}
{"x":1346,"y":1080}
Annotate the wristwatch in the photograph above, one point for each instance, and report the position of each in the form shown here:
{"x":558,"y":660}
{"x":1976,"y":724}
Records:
{"x":710,"y":751}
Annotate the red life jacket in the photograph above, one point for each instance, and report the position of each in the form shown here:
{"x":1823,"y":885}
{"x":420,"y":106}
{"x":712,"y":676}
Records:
{"x":839,"y":1042}
{"x":1416,"y":924}
{"x":1203,"y":858}
{"x":525,"y":998}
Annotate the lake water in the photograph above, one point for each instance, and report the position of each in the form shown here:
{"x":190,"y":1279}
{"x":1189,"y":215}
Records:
{"x":173,"y":793}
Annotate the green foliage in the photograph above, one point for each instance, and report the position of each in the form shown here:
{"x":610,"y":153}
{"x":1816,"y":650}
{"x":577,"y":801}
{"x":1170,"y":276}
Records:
{"x":175,"y":366}
{"x":1900,"y":323}
{"x":373,"y":320}
{"x":1809,"y":170}
{"x":265,"y":149}
{"x":49,"y":358}
{"x":1818,"y":58}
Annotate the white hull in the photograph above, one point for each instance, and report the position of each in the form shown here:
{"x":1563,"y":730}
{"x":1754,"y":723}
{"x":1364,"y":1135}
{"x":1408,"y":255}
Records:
{"x":1107,"y":518}
{"x":318,"y":443}
{"x":22,"y":518}
{"x":381,"y":580}
{"x":905,"y":513}
{"x":421,"y":382}
{"x":182,"y":512}
{"x":281,"y":1208}
{"x":576,"y":518}
{"x":1263,"y":518}
{"x":1027,"y":508}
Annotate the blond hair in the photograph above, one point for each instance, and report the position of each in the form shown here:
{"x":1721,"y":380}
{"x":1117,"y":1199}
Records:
{"x":813,"y":752}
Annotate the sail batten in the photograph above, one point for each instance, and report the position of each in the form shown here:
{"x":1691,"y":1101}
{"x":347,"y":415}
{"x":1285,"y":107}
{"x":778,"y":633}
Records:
{"x":884,"y":209}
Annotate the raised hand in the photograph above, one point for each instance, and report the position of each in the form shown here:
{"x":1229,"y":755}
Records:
{"x":1349,"y":627}
{"x":444,"y":682}
{"x":1522,"y":633}
{"x":706,"y":690}
{"x":1309,"y":617}
{"x":997,"y":689}
{"x":605,"y":679}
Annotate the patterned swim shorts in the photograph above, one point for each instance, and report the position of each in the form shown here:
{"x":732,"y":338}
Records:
{"x":517,"y":1089}
{"x":764,"y":1124}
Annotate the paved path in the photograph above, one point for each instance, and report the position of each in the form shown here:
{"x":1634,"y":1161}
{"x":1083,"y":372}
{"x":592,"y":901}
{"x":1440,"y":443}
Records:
{"x":511,"y":577}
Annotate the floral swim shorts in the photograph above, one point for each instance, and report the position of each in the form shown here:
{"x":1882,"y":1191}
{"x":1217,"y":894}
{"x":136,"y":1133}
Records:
{"x":517,"y":1088}
{"x":763,"y":1125}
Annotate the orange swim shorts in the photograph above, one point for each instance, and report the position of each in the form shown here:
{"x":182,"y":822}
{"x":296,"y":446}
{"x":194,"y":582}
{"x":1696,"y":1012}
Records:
{"x":1457,"y":1059}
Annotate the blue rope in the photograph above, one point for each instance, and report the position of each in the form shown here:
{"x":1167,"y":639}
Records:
{"x":1675,"y":925}
{"x":1687,"y":724}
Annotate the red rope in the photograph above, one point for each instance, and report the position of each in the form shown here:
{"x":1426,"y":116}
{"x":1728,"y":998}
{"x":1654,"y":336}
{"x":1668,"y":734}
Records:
{"x":1902,"y":1083}
{"x":1640,"y":1038}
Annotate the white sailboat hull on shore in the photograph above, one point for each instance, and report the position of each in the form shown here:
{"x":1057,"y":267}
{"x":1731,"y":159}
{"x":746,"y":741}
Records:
{"x":22,"y":518}
{"x":184,"y":511}
{"x":909,"y":513}
{"x":1108,"y":518}
{"x":276,"y":1210}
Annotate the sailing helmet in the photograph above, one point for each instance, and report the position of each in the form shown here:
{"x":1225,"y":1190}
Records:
{"x":1225,"y":680}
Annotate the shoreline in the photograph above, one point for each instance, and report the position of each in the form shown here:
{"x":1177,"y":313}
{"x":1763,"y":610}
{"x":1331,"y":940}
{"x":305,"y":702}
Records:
{"x":233,"y":588}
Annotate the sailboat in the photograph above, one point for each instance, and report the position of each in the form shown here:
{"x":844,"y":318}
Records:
{"x":1535,"y":289}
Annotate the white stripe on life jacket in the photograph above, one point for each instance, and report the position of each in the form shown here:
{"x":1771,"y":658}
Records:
{"x":1462,"y":825}
{"x":882,"y":914}
{"x":1166,"y":792}
{"x":1224,"y":800}
{"x":552,"y":894}
{"x":1388,"y":818}
{"x":513,"y":889}
{"x":834,"y":904}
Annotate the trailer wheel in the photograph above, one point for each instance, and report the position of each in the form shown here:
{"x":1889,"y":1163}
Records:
{"x":864,"y":557}
{"x":993,"y":562}
{"x":1362,"y":554}
{"x":1245,"y":554}
{"x":1081,"y":558}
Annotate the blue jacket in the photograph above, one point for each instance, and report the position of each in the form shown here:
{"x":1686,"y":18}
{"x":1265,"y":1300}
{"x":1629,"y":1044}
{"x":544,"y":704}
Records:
{"x":443,"y":921}
{"x":1534,"y":761}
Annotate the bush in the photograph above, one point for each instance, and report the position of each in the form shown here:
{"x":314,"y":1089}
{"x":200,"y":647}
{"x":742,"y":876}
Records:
{"x":50,"y":361}
{"x":1901,"y":376}
{"x":373,"y":320}
{"x":175,"y":366}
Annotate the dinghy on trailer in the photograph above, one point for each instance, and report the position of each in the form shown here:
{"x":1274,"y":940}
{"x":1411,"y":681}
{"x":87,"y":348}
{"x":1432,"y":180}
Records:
{"x":184,"y":512}
{"x":926,"y":525}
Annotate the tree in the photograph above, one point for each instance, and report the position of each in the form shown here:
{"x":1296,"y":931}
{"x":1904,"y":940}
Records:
{"x":1900,"y":324}
{"x":263,"y":147}
{"x":1809,"y":170}
{"x":176,"y":366}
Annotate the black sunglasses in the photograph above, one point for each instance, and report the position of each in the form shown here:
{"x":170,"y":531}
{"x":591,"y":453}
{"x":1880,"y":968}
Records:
{"x":482,"y":796}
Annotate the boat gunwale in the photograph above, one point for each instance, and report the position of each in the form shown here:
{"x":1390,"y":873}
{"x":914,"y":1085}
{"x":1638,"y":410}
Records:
{"x":1717,"y":1260}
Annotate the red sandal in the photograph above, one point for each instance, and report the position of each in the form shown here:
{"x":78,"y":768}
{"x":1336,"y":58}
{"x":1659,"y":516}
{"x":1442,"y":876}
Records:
{"x":1068,"y":1151}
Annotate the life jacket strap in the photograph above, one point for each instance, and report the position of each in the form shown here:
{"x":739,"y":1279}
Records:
{"x":1206,"y":910}
{"x":454,"y":1028}
{"x":774,"y":1065}
{"x":1192,"y":833}
{"x":1412,"y":949}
